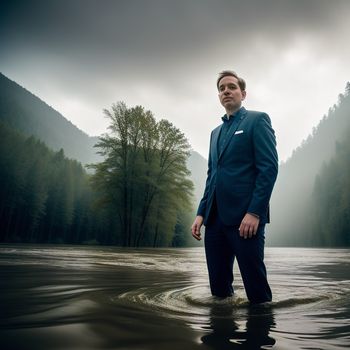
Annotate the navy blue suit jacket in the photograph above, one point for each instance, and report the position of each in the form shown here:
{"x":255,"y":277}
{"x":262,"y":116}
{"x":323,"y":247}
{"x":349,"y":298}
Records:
{"x":243,"y":175}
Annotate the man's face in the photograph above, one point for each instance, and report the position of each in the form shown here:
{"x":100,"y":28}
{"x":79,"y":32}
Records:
{"x":230,"y":94}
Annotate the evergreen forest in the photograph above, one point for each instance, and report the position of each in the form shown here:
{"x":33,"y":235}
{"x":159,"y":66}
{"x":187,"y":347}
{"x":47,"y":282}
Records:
{"x":140,"y":195}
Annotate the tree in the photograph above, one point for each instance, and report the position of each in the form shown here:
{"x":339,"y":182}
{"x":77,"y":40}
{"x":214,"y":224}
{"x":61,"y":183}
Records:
{"x":144,"y":174}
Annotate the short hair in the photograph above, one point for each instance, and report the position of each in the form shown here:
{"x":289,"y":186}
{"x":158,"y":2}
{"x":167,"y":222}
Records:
{"x":231,"y":73}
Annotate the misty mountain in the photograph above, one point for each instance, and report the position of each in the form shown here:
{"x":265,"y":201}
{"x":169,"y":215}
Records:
{"x":198,"y":166}
{"x":293,"y":203}
{"x":330,"y":214}
{"x":25,"y":112}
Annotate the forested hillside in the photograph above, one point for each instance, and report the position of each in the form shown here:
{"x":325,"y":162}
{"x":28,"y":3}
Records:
{"x":299,"y":204}
{"x":330,"y":204}
{"x":23,"y":111}
{"x":44,"y":197}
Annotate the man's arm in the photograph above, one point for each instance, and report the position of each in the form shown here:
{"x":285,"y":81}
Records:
{"x":266,"y":163}
{"x":203,"y":203}
{"x":198,"y":222}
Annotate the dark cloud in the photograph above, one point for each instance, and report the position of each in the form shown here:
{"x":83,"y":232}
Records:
{"x":154,"y":36}
{"x":158,"y":28}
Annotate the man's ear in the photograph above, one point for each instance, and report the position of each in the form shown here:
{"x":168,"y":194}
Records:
{"x":244,"y":94}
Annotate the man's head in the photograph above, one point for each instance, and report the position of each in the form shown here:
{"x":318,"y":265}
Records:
{"x":231,"y":73}
{"x":231,"y":91}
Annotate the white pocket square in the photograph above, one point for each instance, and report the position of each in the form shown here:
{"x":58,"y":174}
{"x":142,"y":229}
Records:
{"x":239,"y":132}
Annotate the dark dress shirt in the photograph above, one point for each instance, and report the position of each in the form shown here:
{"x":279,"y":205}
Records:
{"x":227,"y":123}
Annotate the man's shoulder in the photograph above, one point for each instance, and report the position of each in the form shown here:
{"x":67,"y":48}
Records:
{"x":255,"y":114}
{"x":216,"y":129}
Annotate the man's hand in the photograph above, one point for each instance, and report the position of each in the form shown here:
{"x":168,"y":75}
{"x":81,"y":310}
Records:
{"x":196,"y":227}
{"x":249,"y":226}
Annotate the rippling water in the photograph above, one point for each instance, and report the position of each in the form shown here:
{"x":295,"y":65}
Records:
{"x":73,"y":297}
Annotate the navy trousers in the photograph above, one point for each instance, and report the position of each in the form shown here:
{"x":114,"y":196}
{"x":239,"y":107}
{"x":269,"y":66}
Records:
{"x":222,"y":245}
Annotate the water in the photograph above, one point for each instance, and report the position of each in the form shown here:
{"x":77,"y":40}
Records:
{"x":73,"y":297}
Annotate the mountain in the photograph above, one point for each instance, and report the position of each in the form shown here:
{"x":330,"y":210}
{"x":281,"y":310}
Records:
{"x":330,"y":224}
{"x":198,"y":166}
{"x":292,"y":203}
{"x":23,"y":111}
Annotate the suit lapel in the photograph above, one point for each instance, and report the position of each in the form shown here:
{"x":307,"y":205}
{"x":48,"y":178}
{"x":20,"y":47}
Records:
{"x":233,"y":129}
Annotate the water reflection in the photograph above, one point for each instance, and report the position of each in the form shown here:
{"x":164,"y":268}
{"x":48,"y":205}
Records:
{"x":91,"y":298}
{"x":226,"y":332}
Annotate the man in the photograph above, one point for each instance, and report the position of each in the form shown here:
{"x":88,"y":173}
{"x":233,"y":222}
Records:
{"x":242,"y":169}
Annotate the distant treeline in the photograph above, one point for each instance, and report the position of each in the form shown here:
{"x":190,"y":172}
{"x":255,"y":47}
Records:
{"x":140,"y":195}
{"x":330,"y":212}
{"x":45,"y":197}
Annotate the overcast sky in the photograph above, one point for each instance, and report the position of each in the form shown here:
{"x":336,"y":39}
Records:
{"x":82,"y":56}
